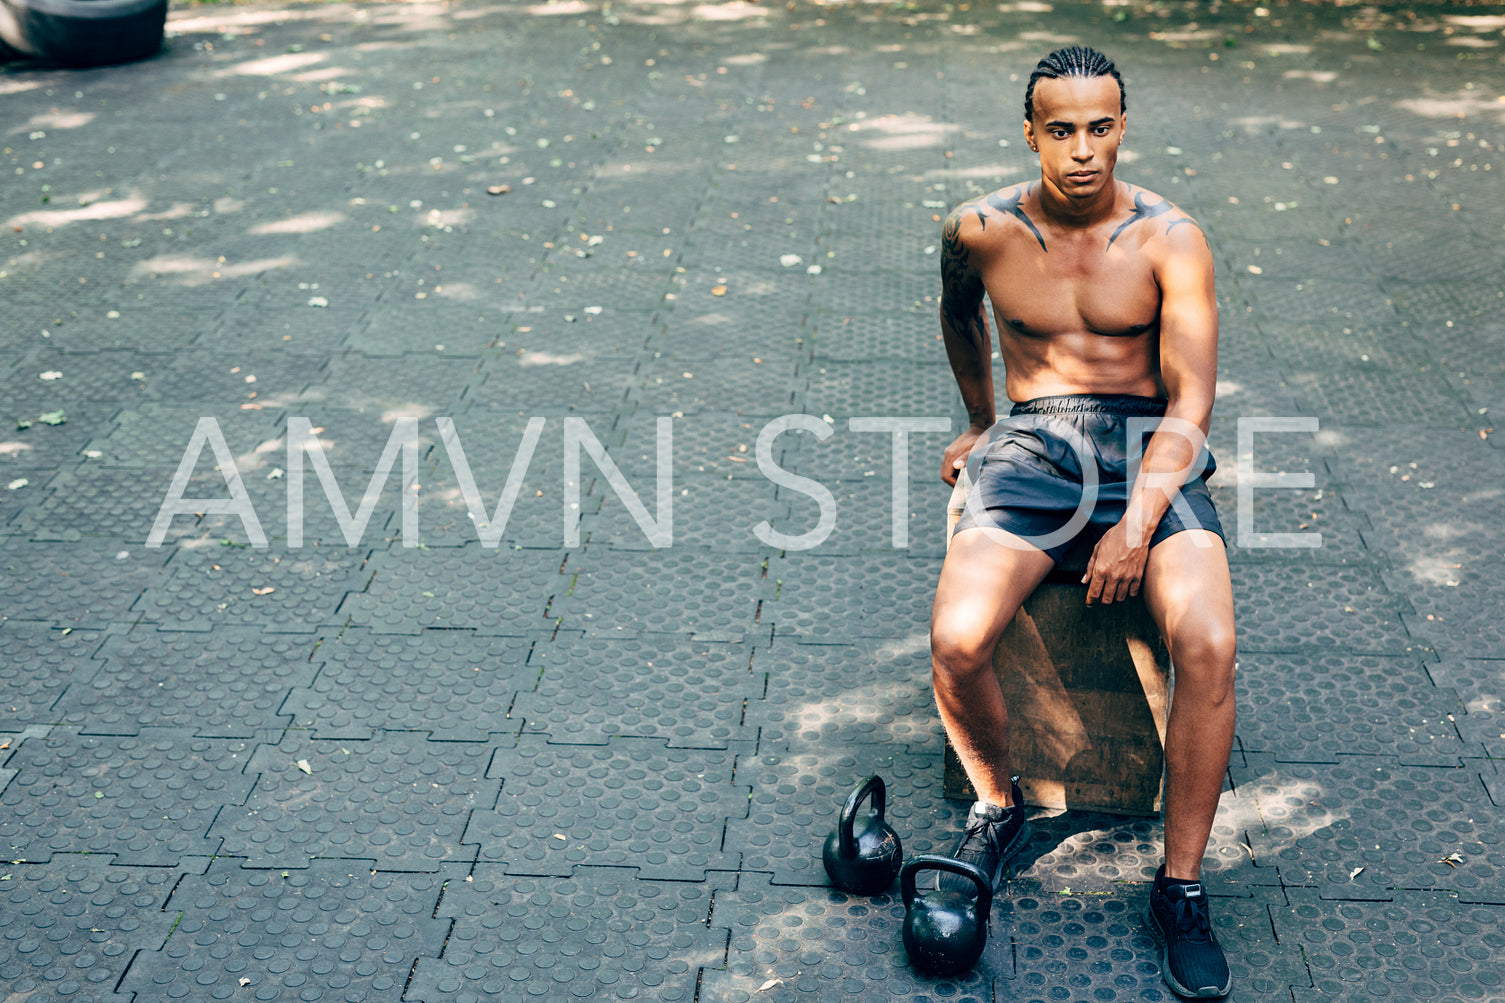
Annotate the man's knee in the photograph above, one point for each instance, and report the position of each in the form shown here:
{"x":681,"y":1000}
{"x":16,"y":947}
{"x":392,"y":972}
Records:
{"x":1204,"y":653}
{"x":957,"y":651}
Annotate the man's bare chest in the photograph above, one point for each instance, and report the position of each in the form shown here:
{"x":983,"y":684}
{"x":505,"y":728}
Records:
{"x":1110,"y":294}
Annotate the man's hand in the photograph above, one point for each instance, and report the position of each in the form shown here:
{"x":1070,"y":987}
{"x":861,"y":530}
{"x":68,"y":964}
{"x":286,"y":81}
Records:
{"x":1116,"y":568}
{"x":955,"y":456}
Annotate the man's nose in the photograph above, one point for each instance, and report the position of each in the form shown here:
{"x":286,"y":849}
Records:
{"x":1080,"y":148}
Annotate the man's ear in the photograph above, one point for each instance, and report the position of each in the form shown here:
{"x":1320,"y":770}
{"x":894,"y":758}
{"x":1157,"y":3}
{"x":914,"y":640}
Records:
{"x":1029,"y":134}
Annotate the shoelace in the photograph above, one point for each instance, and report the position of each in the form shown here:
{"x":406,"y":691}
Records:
{"x":975,"y":833}
{"x":1192,"y":920}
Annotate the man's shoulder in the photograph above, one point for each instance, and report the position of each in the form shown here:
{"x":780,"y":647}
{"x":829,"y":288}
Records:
{"x":973,"y":217}
{"x":1171,"y":226}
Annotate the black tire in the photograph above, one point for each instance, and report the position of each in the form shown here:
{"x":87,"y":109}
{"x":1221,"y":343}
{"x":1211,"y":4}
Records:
{"x":84,"y":32}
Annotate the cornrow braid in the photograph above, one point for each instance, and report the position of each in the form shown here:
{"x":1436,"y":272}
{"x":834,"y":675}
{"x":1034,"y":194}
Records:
{"x":1073,"y":61}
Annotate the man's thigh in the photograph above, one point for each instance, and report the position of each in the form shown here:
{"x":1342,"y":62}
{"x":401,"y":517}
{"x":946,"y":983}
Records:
{"x":987,"y":575}
{"x":1189,"y":591}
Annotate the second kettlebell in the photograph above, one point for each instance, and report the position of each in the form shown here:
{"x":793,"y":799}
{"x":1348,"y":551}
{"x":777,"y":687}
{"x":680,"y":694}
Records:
{"x":862,"y":856}
{"x":944,"y":931}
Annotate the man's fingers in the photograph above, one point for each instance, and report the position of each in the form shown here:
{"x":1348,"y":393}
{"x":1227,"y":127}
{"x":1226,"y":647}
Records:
{"x":1094,"y":589}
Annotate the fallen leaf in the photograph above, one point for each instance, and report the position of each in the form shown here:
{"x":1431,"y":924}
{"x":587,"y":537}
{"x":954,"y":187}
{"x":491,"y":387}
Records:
{"x":50,"y":375}
{"x":560,"y":835}
{"x":1452,"y":859}
{"x":718,"y":290}
{"x":245,"y":982}
{"x":52,"y":418}
{"x":302,"y":764}
{"x":1355,"y":873}
{"x":263,"y":592}
{"x":138,"y":375}
{"x":19,"y":482}
{"x":498,"y":189}
{"x":770,"y":984}
{"x":317,"y":301}
{"x":787,"y":260}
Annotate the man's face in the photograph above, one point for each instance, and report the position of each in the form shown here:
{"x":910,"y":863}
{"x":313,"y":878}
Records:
{"x":1077,"y":128}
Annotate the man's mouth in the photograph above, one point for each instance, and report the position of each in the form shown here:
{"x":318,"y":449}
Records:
{"x":1082,"y":175}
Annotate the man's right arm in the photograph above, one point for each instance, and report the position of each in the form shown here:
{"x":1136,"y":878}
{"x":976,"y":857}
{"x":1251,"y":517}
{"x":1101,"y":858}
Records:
{"x":964,"y":328}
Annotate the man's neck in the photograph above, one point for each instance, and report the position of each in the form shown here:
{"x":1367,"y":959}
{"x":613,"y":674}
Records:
{"x":1063,"y":210}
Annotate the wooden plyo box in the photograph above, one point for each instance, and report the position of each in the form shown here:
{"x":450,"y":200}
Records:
{"x":1087,"y":690}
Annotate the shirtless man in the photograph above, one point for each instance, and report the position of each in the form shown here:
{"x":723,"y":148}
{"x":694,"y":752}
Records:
{"x":1103,"y":297}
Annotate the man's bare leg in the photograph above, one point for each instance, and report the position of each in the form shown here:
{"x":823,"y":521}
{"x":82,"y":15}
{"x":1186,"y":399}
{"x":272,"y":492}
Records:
{"x":1190,"y":595}
{"x":983,"y":582}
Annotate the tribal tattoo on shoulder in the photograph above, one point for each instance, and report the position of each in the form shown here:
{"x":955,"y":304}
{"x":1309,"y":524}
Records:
{"x":1187,"y":219}
{"x":1011,"y":204}
{"x":1141,"y":212}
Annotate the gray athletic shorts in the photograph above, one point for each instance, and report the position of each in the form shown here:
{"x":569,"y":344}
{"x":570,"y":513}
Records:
{"x":1031,"y":478}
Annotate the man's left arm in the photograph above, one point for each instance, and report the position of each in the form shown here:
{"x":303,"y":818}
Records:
{"x":1188,"y":368}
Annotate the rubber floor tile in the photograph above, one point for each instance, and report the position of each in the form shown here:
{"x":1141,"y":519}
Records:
{"x":1325,"y":707}
{"x":705,"y":595}
{"x":147,"y":799}
{"x":278,"y":589}
{"x":493,"y":592}
{"x":454,"y":685}
{"x":220,"y":685}
{"x":590,"y":690}
{"x":1368,"y":826}
{"x":86,"y":584}
{"x":602,"y":934}
{"x":1423,"y":945}
{"x":633,"y":803}
{"x":41,"y":663}
{"x":1323,"y":607}
{"x":399,"y":800}
{"x":334,"y":930}
{"x":830,"y":695}
{"x":820,"y":598}
{"x":70,"y":928}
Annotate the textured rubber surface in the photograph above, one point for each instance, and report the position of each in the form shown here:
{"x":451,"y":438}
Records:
{"x":602,"y":934}
{"x":333,"y":929}
{"x":147,"y":799}
{"x":634,"y":753}
{"x":70,"y":928}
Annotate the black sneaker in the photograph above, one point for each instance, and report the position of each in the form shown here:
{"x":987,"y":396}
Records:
{"x":993,"y":835}
{"x":1191,"y":961}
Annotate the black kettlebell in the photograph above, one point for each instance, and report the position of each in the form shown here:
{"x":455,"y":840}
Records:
{"x":945,"y":931}
{"x":863,"y":858}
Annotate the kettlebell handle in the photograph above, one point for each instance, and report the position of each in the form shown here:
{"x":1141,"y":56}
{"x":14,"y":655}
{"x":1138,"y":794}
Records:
{"x":933,"y":862}
{"x":872,"y":785}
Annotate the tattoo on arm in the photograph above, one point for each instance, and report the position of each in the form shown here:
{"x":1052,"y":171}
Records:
{"x":1011,"y":205}
{"x":961,"y":290}
{"x":1141,"y":211}
{"x":1194,"y":226}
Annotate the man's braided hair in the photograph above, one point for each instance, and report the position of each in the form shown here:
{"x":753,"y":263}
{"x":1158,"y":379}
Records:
{"x":1073,"y":61}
